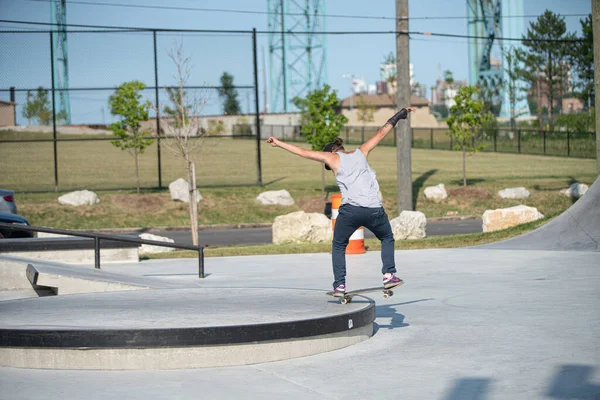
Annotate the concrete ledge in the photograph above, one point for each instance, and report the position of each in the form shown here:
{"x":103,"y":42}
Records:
{"x":62,"y":281}
{"x":181,"y":328}
{"x":180,"y":357}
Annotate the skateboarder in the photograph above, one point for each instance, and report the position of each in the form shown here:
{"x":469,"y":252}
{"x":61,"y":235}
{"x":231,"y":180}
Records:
{"x":360,"y":202}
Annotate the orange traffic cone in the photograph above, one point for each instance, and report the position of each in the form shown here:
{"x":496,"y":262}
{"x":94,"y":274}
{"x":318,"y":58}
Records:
{"x":356,"y":245}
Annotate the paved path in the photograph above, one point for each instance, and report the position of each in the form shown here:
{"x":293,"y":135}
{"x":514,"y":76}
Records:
{"x":468,"y":324}
{"x":253,"y":236}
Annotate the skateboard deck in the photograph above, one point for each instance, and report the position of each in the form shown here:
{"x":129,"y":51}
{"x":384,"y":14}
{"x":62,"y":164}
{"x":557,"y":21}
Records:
{"x":347,"y":298}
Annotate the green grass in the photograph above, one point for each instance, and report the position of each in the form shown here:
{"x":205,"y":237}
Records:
{"x":434,"y":242}
{"x":98,"y":165}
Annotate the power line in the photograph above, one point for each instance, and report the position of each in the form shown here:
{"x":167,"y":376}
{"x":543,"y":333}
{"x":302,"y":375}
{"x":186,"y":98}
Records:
{"x":234,"y":11}
{"x":434,"y":34}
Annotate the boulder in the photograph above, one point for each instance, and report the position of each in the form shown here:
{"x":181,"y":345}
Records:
{"x":409,"y":225}
{"x":436,"y":193}
{"x":576,"y":190}
{"x":79,"y":198}
{"x":180,"y":191}
{"x":150,"y":249}
{"x":277,"y":197}
{"x":502,"y":218}
{"x":514,"y":193}
{"x":301,"y":227}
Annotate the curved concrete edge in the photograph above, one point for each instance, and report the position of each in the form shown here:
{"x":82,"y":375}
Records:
{"x":167,"y":358}
{"x":576,"y":229}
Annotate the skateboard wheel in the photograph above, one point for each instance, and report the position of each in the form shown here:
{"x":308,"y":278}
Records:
{"x":385,"y":295}
{"x":391,"y":293}
{"x":344,"y":301}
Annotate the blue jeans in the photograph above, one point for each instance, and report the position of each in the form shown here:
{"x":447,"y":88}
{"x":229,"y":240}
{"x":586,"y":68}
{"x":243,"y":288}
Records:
{"x":349,"y":219}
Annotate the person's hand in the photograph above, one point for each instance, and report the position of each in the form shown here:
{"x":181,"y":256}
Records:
{"x":411,"y":109}
{"x":273,"y":141}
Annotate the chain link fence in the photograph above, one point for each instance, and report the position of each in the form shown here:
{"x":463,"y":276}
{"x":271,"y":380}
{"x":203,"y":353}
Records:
{"x":567,"y":144}
{"x":65,"y":142}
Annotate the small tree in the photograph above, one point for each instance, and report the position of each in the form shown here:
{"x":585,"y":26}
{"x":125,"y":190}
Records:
{"x":184,"y":136}
{"x":127,"y":103}
{"x":449,"y":78}
{"x":173,"y":93}
{"x":29,"y":111}
{"x":227,"y":92}
{"x":465,"y":117}
{"x":390,"y":78}
{"x":321,"y":120}
{"x":365,"y":111}
{"x":38,"y":107}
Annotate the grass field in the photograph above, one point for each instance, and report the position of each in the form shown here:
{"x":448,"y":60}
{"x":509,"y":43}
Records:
{"x":233,"y":162}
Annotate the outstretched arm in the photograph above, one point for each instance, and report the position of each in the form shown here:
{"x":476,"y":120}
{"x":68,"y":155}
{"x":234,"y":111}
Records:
{"x":384,"y":130}
{"x":326,"y":158}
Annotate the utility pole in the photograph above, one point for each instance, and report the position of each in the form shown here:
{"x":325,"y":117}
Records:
{"x":403,"y":131}
{"x":596,"y":29}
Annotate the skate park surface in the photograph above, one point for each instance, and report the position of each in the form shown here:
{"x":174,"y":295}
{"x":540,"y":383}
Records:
{"x":512,"y":320}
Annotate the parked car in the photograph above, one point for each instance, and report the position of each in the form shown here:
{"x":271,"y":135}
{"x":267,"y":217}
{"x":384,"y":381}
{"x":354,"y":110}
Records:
{"x":7,"y":201}
{"x":15,"y":219}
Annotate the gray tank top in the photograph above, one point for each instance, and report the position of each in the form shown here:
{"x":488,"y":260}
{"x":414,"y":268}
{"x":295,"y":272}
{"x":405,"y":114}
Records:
{"x":357,"y":181}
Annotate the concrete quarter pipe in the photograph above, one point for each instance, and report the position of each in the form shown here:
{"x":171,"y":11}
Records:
{"x":577,"y":229}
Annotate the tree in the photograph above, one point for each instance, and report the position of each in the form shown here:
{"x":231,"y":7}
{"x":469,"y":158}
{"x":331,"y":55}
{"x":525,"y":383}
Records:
{"x":390,"y":77}
{"x":43,"y":112}
{"x":365,"y":110}
{"x":512,"y":57}
{"x":38,"y":107}
{"x":547,"y":57}
{"x":577,"y":123}
{"x":29,"y":109}
{"x":184,"y":135}
{"x":321,"y":120}
{"x":449,"y":78}
{"x":127,"y":103}
{"x":173,"y":93}
{"x":227,"y":92}
{"x":582,"y":57}
{"x":465,"y":117}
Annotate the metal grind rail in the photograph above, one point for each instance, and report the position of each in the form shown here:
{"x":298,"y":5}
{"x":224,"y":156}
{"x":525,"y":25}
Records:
{"x":116,"y":238}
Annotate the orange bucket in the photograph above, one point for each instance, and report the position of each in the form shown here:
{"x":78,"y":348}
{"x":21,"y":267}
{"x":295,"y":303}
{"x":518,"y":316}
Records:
{"x":356,"y":244}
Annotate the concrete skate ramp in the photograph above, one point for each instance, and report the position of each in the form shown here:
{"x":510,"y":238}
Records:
{"x":177,"y":328}
{"x":577,"y":229}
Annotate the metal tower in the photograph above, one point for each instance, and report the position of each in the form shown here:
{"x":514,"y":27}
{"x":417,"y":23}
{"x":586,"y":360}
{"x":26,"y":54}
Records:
{"x":484,"y":20}
{"x":297,"y":60}
{"x":58,"y":12}
{"x":515,"y":28}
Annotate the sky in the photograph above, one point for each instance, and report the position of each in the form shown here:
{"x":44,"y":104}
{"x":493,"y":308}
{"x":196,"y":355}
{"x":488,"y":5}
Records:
{"x":107,"y":60}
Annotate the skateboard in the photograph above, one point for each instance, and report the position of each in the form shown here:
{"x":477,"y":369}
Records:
{"x":387,"y":293}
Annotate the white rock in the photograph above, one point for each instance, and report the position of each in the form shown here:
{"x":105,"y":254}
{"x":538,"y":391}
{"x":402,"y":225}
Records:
{"x":409,"y":225}
{"x":180,"y":191}
{"x":301,"y":227}
{"x":151,"y":249}
{"x":436,"y":193}
{"x":514,"y":193}
{"x":79,"y":198}
{"x":576,"y":190}
{"x":502,"y":218}
{"x":278,"y":197}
